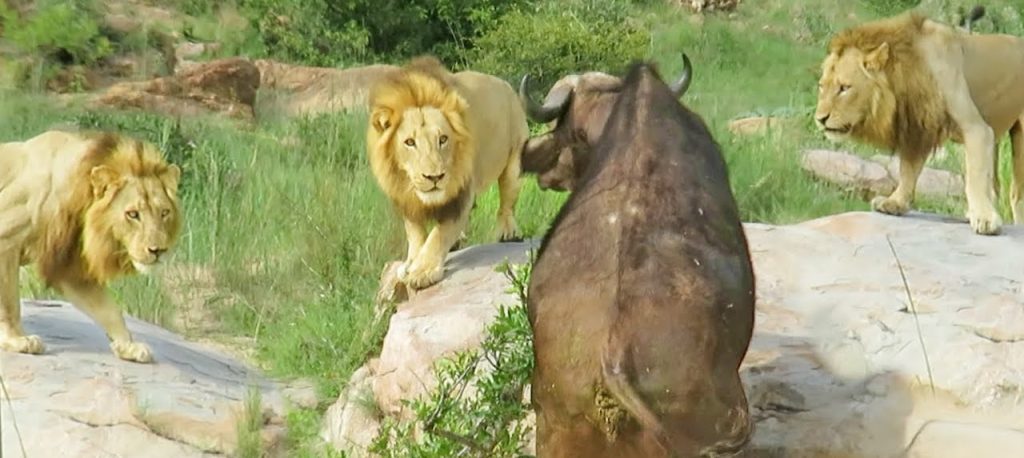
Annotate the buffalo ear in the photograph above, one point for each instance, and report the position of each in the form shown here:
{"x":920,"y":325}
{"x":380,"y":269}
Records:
{"x":540,"y":154}
{"x":380,"y":119}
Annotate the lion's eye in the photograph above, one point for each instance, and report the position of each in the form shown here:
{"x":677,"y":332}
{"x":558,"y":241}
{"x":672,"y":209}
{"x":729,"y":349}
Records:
{"x":132,"y":214}
{"x":410,"y":142}
{"x":443,"y":139}
{"x":164,"y":213}
{"x":843,"y":88}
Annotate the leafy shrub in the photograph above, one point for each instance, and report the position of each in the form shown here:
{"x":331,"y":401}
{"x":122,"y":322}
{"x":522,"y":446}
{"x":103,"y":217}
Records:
{"x":489,"y":423}
{"x":65,"y":30}
{"x":323,"y":32}
{"x":562,"y":38}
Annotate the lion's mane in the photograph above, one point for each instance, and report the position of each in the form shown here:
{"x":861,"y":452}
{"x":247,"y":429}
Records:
{"x":910,"y":114}
{"x":76,"y":244}
{"x":423,"y":82}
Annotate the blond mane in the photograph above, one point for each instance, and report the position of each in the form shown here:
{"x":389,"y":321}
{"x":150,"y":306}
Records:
{"x":914,"y":117}
{"x":422,"y":82}
{"x":77,"y":245}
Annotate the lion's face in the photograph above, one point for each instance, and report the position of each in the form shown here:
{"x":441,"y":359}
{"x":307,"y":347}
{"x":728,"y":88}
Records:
{"x":142,"y":214}
{"x":423,"y":148}
{"x":847,"y":91}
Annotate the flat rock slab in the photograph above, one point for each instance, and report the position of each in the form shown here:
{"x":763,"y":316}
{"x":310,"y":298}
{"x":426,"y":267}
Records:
{"x":79,"y":400}
{"x":836,"y":366}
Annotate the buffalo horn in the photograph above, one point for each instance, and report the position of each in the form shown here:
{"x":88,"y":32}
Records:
{"x":680,"y":86}
{"x":553,"y":107}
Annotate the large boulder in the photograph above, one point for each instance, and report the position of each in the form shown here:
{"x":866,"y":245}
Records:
{"x":223,"y":86}
{"x":78,"y":400}
{"x":837,"y":364}
{"x":295,"y":90}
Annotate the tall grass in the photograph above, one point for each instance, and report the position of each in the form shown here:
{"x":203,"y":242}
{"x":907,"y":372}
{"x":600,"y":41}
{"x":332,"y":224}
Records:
{"x":286,"y":232}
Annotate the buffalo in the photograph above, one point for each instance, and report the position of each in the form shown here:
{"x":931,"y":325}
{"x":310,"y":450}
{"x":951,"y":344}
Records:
{"x":557,"y":157}
{"x":641,"y":299}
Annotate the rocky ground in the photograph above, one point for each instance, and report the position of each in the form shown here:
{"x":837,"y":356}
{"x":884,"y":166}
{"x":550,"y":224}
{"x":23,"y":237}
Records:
{"x":77,"y":399}
{"x":837,"y":364}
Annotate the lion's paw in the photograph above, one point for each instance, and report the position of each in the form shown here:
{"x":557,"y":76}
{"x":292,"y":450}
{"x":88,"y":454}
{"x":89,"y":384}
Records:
{"x":985,"y":223}
{"x":131,"y":351}
{"x":32,"y":345}
{"x":513,"y":236}
{"x":422,"y":278}
{"x":889,"y":206}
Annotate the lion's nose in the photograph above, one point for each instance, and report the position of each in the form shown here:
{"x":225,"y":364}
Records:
{"x":434,"y":178}
{"x":156,"y":251}
{"x":822,"y":119}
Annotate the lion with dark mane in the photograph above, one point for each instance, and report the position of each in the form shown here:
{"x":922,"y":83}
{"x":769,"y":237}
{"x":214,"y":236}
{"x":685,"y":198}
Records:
{"x":907,"y":84}
{"x":435,"y":140}
{"x":86,"y":208}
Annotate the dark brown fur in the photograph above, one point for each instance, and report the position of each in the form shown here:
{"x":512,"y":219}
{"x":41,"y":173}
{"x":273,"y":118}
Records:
{"x":642,"y":298}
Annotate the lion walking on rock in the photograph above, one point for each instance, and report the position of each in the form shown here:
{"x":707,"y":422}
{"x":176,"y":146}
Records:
{"x":85,"y":208}
{"x":435,"y":140}
{"x":907,"y":84}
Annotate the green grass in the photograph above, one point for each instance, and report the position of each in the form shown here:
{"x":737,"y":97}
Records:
{"x":287,"y":231}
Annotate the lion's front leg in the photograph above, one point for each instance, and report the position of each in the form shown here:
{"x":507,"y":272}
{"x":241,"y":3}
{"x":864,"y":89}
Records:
{"x":95,"y":301}
{"x":415,"y":237}
{"x":428,"y":267}
{"x":12,"y":336}
{"x":899,"y":202}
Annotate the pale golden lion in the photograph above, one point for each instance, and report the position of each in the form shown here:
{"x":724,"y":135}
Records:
{"x":85,"y":209}
{"x":435,"y":140}
{"x":907,"y":84}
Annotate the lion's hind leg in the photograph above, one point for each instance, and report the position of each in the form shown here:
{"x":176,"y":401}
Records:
{"x":12,"y":336}
{"x":1017,"y":185}
{"x":509,"y":185}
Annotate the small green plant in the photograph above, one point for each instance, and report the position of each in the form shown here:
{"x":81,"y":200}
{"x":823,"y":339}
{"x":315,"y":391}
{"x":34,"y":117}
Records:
{"x":489,"y":423}
{"x":250,"y":444}
{"x":67,"y":31}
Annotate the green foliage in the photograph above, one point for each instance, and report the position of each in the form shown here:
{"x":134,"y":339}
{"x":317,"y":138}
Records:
{"x":889,"y":7}
{"x":66,"y":30}
{"x":322,"y":32}
{"x":562,"y":38}
{"x":489,"y":423}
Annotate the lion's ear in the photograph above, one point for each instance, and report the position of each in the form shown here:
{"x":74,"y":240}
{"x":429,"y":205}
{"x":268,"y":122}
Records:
{"x":381,"y":119}
{"x":170,"y":178}
{"x":876,"y":58}
{"x":101,"y":177}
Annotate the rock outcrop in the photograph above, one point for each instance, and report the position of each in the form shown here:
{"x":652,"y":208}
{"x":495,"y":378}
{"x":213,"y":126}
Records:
{"x":878,"y":175}
{"x":301,"y":90}
{"x":837,"y":364}
{"x":78,"y":400}
{"x":224,"y":86}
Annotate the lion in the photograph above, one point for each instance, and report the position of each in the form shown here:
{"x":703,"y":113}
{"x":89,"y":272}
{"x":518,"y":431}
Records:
{"x":85,"y":208}
{"x":907,"y":84}
{"x":435,"y":140}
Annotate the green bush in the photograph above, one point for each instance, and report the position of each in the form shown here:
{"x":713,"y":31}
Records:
{"x":65,"y":30}
{"x":322,"y":32}
{"x":491,"y":422}
{"x":563,"y":38}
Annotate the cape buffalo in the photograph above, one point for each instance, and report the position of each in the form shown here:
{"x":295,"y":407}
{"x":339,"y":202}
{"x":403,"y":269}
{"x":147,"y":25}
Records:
{"x":641,"y":300}
{"x":560,"y":155}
